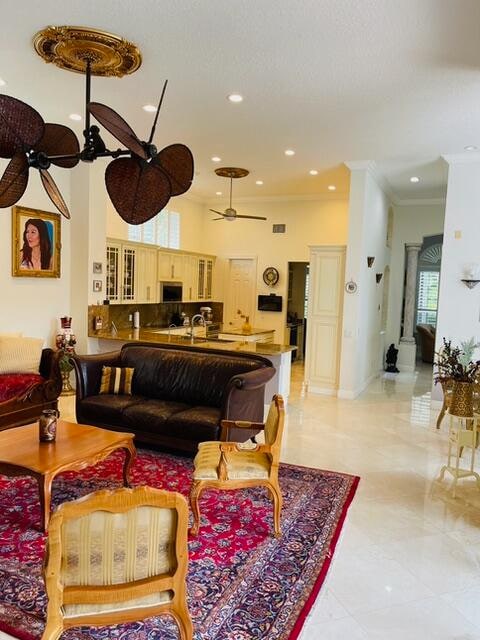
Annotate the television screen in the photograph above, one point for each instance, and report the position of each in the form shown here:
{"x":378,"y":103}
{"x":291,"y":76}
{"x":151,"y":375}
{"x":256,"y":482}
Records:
{"x":270,"y":303}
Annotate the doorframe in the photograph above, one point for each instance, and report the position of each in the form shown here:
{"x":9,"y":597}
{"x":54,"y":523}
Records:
{"x":254,"y":259}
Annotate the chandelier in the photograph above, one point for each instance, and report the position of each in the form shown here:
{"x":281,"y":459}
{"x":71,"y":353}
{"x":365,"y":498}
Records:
{"x":139,"y":180}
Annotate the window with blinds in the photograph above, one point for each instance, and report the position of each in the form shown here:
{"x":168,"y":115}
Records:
{"x":162,"y":230}
{"x":427,"y":297}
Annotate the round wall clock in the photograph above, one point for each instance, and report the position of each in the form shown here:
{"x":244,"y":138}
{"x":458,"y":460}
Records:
{"x":351,"y":286}
{"x":270,"y":276}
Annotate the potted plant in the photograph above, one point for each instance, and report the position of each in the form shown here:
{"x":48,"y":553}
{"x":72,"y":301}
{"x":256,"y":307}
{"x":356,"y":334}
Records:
{"x":455,"y":369}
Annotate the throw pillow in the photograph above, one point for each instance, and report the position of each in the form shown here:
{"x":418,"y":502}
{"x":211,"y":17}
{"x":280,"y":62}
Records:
{"x":20,"y":355}
{"x":117,"y":380}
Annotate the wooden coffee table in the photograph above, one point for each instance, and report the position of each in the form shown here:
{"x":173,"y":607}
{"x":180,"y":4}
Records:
{"x":77,"y":446}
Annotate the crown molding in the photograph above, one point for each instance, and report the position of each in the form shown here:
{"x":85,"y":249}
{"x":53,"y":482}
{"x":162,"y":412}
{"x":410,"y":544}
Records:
{"x":418,"y":202}
{"x":469,"y":157}
{"x":372,"y":168}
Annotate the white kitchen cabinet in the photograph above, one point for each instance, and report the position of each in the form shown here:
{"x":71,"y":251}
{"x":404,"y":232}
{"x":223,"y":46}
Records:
{"x":205,"y":278}
{"x":147,"y":284}
{"x":121,"y":272}
{"x":170,"y":266}
{"x":190,"y":280}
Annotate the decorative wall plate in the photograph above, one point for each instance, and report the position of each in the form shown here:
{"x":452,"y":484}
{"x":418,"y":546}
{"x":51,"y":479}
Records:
{"x":351,"y":286}
{"x":271,"y":276}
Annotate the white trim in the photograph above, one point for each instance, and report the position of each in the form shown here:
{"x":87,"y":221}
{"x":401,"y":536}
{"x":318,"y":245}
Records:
{"x":345,"y":394}
{"x":461,"y":158}
{"x":324,"y":391}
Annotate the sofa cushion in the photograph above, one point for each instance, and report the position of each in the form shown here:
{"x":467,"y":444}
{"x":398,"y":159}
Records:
{"x":183,"y":376}
{"x":116,"y":380}
{"x":20,"y":355}
{"x":151,"y":415}
{"x":108,"y":408}
{"x":13,"y":385}
{"x":195,"y":424}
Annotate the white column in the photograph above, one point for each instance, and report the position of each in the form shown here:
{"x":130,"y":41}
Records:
{"x":410,"y":289}
{"x":408,"y":348}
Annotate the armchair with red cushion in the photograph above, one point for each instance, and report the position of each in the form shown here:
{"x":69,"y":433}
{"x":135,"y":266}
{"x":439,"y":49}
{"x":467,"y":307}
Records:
{"x":23,"y":396}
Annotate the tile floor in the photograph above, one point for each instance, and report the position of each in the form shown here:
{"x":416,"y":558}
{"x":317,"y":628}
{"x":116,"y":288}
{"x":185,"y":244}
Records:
{"x":407,"y":566}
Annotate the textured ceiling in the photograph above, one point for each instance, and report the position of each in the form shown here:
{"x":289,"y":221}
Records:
{"x":396,"y":82}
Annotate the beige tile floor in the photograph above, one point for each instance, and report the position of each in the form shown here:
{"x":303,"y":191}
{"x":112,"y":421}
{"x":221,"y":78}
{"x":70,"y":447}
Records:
{"x":407,"y":566}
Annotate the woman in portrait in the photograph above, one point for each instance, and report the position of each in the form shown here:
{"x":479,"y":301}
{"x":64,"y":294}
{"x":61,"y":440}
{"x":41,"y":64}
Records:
{"x":36,"y":252}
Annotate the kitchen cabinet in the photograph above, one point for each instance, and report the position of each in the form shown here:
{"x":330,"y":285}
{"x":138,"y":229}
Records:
{"x":205,"y":278}
{"x":121,"y":272}
{"x":146,"y":269}
{"x":190,"y":280}
{"x":170,"y":266}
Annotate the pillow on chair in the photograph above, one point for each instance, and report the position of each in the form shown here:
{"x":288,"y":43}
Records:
{"x":117,"y":380}
{"x":20,"y":355}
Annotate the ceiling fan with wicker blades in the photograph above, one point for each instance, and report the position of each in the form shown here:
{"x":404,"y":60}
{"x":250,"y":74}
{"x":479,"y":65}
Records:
{"x":140,"y":180}
{"x":230,"y":213}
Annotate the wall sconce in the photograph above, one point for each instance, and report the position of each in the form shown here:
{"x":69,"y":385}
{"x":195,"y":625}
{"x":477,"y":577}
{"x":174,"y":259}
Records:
{"x":378,"y":277}
{"x":370,"y":261}
{"x":471,"y":275}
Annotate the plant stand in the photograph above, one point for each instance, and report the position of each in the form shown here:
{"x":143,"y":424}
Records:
{"x":462,"y":434}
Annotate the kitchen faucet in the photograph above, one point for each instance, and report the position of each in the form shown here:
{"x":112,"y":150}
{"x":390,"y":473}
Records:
{"x":201,"y":321}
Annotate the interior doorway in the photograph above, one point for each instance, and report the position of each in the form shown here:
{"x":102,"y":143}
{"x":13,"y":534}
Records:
{"x":296,"y":330}
{"x":240,"y":292}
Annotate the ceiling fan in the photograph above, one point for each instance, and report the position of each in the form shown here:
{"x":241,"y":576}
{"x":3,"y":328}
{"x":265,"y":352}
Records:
{"x":230,"y":213}
{"x":140,"y":180}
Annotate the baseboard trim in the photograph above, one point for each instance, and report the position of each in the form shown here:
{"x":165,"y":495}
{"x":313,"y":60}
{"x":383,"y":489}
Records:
{"x":323,"y":391}
{"x":351,"y":395}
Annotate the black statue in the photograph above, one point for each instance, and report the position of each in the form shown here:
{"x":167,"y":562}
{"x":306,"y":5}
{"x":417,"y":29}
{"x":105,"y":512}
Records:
{"x":392,"y":355}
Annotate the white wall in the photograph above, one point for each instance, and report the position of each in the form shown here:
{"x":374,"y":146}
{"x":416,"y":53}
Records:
{"x":34,"y":305}
{"x":362,"y":344}
{"x":307,"y":223}
{"x":459,"y":307}
{"x":411,"y":223}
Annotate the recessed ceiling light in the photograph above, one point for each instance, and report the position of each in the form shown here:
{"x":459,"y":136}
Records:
{"x":470,"y":147}
{"x":216,"y":159}
{"x":259,"y":182}
{"x":149,"y":107}
{"x":313,"y":172}
{"x":332,"y":187}
{"x":235,"y":97}
{"x":289,"y":152}
{"x":75,"y":116}
{"x":414,"y":179}
{"x":2,"y":82}
{"x":218,"y":193}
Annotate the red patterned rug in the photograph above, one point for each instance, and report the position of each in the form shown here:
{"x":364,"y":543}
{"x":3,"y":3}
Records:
{"x":243,"y":584}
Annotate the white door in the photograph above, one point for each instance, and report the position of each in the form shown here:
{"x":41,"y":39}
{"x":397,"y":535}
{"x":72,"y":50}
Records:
{"x":240,"y":292}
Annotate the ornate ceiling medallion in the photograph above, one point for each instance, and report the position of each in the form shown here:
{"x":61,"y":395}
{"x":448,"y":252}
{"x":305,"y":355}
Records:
{"x":72,"y":47}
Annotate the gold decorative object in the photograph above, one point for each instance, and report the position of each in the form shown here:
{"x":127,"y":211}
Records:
{"x":72,"y":47}
{"x":461,"y":403}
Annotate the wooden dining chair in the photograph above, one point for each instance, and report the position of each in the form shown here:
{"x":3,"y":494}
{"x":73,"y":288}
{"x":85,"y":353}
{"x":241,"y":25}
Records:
{"x":117,"y":556}
{"x":229,"y":465}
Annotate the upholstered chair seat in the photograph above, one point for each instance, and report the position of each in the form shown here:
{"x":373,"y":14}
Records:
{"x":231,"y":465}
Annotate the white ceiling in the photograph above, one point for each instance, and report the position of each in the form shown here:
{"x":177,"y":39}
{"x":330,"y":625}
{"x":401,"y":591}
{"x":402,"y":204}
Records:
{"x":394,"y":81}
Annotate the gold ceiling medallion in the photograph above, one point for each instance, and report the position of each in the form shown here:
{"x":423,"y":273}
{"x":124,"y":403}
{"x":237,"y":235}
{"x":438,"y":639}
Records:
{"x":72,"y":47}
{"x":232,"y":172}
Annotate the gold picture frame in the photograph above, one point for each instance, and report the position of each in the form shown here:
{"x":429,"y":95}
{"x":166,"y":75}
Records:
{"x":36,"y":243}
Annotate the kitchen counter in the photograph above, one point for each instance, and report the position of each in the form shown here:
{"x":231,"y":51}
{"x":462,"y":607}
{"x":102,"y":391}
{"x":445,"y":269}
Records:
{"x":240,"y":332}
{"x":152,"y":335}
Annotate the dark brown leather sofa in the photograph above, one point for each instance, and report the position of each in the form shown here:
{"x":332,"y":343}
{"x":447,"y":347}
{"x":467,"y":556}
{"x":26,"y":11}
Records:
{"x":37,"y":392}
{"x":179,"y":395}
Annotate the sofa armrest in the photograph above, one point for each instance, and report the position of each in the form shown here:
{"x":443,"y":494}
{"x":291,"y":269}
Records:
{"x":88,"y":371}
{"x":253,"y":379}
{"x":51,"y":388}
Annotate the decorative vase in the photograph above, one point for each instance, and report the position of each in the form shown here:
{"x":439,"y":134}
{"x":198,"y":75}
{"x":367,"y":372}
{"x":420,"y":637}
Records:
{"x":461,"y":403}
{"x":246,"y":326}
{"x":67,"y":388}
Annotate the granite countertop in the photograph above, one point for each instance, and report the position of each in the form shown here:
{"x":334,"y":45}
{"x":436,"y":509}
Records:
{"x":240,"y":332}
{"x":152,"y":335}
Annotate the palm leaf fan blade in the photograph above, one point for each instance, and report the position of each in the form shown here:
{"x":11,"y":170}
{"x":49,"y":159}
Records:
{"x":176,"y":160}
{"x":53,"y":193}
{"x":138,"y":190}
{"x":59,"y":140}
{"x":14,"y":180}
{"x":118,"y":127}
{"x":21,"y":127}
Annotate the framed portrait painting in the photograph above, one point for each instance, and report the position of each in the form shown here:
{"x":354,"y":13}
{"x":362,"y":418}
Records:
{"x":36,"y":243}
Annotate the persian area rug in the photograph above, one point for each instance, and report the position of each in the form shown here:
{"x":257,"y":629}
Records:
{"x":243,"y":584}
